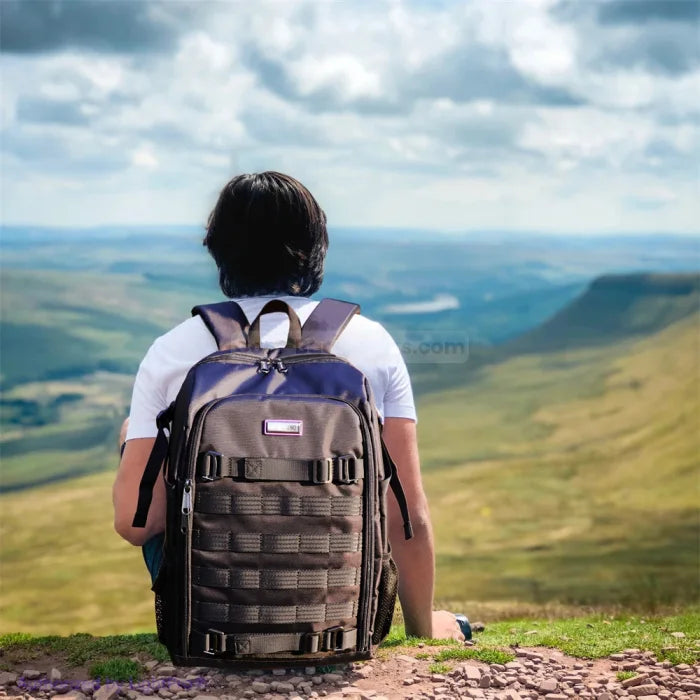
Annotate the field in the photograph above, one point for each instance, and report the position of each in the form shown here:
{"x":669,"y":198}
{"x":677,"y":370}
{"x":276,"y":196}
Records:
{"x":571,"y":476}
{"x":557,"y":481}
{"x":560,"y":457}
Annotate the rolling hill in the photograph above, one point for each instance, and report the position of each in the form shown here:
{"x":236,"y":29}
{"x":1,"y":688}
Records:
{"x":612,"y":308}
{"x":566,"y":475}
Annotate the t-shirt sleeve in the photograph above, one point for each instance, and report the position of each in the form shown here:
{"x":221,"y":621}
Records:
{"x":398,"y":399}
{"x":148,"y":397}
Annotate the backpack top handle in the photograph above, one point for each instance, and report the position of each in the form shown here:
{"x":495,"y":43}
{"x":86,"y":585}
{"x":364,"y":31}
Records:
{"x":294,"y":337}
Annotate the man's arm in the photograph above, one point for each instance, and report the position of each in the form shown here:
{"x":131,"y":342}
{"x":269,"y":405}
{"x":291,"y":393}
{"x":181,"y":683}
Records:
{"x":125,"y":492}
{"x":415,"y":558}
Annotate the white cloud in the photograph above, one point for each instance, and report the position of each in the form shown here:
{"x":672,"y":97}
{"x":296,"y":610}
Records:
{"x":454,"y":115}
{"x":144,"y":157}
{"x":341,"y":73}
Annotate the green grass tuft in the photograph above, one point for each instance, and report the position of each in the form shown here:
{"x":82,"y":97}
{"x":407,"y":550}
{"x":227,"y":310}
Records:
{"x":118,"y":670}
{"x":594,"y":637}
{"x":624,"y":675}
{"x":397,"y":638}
{"x":439,"y":667}
{"x":82,"y":648}
{"x":489,"y":656}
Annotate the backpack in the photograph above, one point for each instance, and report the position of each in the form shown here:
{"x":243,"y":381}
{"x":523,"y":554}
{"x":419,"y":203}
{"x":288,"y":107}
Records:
{"x":276,"y":549}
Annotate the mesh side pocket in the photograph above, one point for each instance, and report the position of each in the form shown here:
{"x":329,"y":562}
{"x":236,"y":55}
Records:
{"x":165,"y":612}
{"x":388,"y":587}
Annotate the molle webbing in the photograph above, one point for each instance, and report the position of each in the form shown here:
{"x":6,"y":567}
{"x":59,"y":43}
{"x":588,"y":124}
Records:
{"x":250,"y":504}
{"x":273,"y":614}
{"x":342,"y":469}
{"x":225,"y":541}
{"x":275,"y":579}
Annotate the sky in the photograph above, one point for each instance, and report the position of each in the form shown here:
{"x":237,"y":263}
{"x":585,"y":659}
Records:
{"x":563,"y":116}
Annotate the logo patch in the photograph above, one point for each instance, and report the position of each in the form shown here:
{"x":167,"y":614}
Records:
{"x":279,"y":426}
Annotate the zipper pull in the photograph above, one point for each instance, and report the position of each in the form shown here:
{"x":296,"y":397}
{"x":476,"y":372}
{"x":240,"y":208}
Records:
{"x":186,"y":509}
{"x":280,"y":366}
{"x":264,"y":366}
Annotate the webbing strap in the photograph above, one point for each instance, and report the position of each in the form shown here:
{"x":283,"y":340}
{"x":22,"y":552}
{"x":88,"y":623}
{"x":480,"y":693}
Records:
{"x":219,"y":541}
{"x":273,"y":614}
{"x":344,"y":469}
{"x":250,"y":504}
{"x":215,"y":642}
{"x":398,"y":491}
{"x":159,"y":453}
{"x":275,"y":578}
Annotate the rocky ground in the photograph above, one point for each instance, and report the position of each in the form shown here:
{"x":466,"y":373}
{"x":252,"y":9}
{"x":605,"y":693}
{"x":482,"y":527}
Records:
{"x":535,"y":673}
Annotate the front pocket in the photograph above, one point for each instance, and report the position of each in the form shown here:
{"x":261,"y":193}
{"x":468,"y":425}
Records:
{"x":388,"y":588}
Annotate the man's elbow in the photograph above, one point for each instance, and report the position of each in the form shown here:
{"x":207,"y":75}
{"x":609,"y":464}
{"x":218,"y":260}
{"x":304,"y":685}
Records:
{"x":420,"y":525}
{"x":133,"y":535}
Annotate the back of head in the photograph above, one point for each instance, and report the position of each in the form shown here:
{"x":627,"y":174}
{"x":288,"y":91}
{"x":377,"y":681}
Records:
{"x":267,"y":235}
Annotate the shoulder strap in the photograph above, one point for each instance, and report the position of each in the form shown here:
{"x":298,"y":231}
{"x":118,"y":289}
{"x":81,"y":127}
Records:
{"x":326,"y":323}
{"x":226,"y":322}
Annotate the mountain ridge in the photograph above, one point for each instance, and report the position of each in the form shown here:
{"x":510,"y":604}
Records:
{"x":613,"y":307}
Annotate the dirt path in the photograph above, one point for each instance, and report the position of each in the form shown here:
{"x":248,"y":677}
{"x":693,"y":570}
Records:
{"x":535,"y":673}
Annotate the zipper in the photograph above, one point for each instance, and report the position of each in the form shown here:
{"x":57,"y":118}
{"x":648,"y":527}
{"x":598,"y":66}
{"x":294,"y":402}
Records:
{"x":265,"y":364}
{"x":186,"y":509}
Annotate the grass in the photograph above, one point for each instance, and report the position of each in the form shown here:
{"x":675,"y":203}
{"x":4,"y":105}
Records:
{"x":439,"y":667}
{"x":489,"y":656}
{"x":625,"y":675}
{"x":82,"y":649}
{"x":596,"y":636}
{"x":570,"y":478}
{"x":116,"y":670}
{"x":572,"y":481}
{"x":591,"y":637}
{"x":587,"y":637}
{"x":559,"y":483}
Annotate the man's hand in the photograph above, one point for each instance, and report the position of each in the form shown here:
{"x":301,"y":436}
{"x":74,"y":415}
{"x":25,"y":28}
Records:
{"x":445,"y":626}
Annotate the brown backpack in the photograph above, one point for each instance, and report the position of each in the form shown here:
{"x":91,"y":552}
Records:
{"x":276,"y":547}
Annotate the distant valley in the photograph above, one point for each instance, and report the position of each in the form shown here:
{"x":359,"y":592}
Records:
{"x":560,"y":457}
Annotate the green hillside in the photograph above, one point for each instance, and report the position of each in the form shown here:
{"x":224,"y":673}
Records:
{"x":69,"y":346}
{"x":566,"y":477}
{"x":571,"y":476}
{"x":615,"y":307}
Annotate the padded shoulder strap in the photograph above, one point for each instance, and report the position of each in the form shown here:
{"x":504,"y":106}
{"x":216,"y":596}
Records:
{"x":226,"y":322}
{"x":326,"y":323}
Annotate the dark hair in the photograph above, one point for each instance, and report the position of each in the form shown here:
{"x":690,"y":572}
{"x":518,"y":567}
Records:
{"x":267,"y":235}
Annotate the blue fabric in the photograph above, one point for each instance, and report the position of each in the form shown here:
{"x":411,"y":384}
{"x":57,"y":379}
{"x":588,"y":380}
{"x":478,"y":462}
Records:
{"x":153,"y":554}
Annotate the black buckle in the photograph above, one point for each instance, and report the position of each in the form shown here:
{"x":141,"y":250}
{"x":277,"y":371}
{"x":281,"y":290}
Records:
{"x":214,"y":642}
{"x":333,"y":639}
{"x":310,"y":642}
{"x":322,"y":471}
{"x":348,"y":470}
{"x":211,"y":466}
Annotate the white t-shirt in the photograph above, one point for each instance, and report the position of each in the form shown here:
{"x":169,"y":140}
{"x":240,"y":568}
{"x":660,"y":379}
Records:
{"x":364,"y":343}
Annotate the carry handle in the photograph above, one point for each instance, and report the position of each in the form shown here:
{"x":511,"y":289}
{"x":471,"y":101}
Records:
{"x":294,"y":337}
